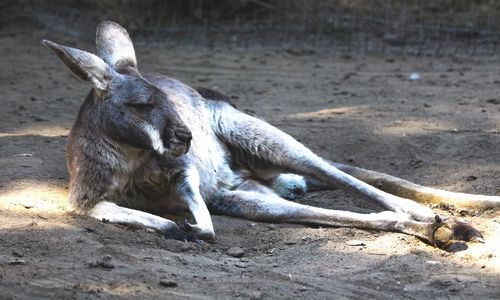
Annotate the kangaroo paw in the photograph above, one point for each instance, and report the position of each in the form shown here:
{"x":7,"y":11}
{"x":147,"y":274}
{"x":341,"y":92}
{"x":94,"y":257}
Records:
{"x":175,"y":233}
{"x":199,"y":231}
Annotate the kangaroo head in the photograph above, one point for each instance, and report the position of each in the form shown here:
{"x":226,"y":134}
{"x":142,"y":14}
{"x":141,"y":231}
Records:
{"x":126,"y":107}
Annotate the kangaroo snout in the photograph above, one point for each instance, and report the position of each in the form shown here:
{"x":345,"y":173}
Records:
{"x":183,"y":135}
{"x":177,"y":140}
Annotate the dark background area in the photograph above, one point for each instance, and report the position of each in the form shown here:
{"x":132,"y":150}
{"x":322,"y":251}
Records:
{"x":427,"y":27}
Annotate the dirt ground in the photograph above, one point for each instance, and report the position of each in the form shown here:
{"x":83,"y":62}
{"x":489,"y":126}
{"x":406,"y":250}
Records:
{"x":442,"y":130}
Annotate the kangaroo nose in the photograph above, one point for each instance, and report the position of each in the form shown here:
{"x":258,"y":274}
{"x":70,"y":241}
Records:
{"x":183,"y":135}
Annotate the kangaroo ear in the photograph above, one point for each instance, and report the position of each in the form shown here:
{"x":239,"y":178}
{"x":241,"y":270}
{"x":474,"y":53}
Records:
{"x":84,"y":65}
{"x":114,"y":45}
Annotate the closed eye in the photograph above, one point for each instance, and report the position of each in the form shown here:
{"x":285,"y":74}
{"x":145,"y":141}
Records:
{"x":141,"y":102}
{"x":141,"y":105}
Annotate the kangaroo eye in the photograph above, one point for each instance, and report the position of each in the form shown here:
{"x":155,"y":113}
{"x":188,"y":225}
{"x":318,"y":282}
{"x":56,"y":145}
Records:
{"x":141,"y":101}
{"x":140,"y":104}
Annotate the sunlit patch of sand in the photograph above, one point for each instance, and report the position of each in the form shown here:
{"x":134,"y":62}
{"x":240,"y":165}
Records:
{"x":34,"y":196}
{"x":329,"y":112}
{"x":477,"y":255}
{"x":485,"y":255}
{"x":409,"y":127}
{"x":47,"y":131}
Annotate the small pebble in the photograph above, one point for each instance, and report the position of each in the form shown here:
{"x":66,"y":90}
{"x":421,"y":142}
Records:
{"x":17,"y":262}
{"x":236,"y":252}
{"x":105,"y":262}
{"x":169,"y":283}
{"x":415,"y":76}
{"x":355,"y":243}
{"x":471,"y":178}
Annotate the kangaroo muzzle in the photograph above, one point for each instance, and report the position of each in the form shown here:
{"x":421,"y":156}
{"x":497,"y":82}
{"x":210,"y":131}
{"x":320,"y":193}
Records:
{"x":179,"y":142}
{"x":184,"y":136}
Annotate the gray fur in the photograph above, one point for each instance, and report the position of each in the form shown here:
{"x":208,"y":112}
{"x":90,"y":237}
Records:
{"x":145,"y":145}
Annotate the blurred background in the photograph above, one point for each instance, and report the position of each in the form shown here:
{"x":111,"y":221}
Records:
{"x":425,"y":27}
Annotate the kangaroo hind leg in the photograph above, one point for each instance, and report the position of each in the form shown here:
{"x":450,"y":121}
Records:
{"x":254,"y":202}
{"x":259,"y":145}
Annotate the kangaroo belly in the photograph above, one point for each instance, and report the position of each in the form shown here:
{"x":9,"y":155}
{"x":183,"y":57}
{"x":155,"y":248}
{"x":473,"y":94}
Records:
{"x":212,"y":161}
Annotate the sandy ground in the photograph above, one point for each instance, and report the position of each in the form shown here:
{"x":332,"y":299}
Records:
{"x":442,"y":131}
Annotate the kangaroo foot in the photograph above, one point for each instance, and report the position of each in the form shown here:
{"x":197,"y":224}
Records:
{"x":445,"y":232}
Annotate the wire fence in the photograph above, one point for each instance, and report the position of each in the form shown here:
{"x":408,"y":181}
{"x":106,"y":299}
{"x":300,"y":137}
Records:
{"x":436,"y":28}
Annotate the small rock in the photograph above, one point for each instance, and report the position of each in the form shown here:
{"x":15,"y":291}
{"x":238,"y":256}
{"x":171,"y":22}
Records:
{"x":17,"y":262}
{"x":471,"y":178}
{"x":241,"y":265}
{"x":416,"y":163}
{"x":434,"y":262}
{"x":105,"y":262}
{"x":415,"y":76}
{"x":236,"y":252}
{"x":169,"y":283}
{"x":355,"y":243}
{"x":256,"y":296}
{"x":464,"y":213}
{"x":17,"y":253}
{"x":26,"y":155}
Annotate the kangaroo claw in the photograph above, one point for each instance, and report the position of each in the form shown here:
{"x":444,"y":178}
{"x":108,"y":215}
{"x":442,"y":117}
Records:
{"x":176,"y":233}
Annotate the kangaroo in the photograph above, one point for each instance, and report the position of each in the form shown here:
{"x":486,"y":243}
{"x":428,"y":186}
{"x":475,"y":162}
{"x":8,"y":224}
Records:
{"x":146,"y":146}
